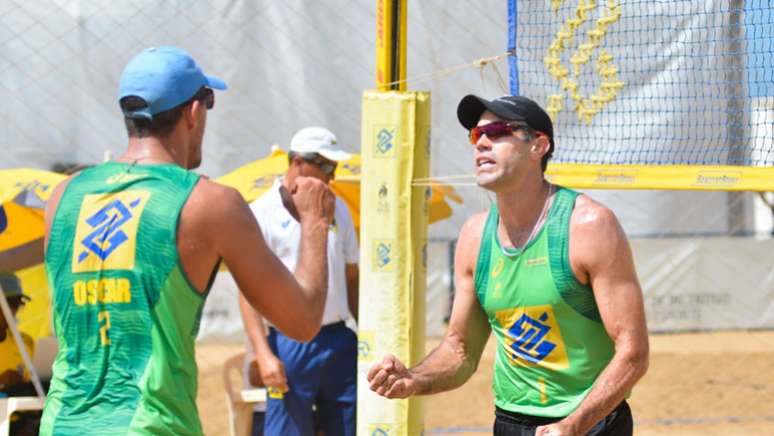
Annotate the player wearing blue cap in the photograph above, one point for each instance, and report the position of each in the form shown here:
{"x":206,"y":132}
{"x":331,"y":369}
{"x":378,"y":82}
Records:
{"x":132,"y":247}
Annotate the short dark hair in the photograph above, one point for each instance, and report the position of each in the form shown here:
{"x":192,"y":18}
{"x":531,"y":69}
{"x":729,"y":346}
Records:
{"x":162,"y":123}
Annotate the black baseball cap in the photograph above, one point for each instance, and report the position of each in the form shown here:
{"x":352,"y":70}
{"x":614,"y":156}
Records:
{"x":508,"y":107}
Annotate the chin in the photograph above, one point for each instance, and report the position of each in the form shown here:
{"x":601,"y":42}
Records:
{"x":486,"y":182}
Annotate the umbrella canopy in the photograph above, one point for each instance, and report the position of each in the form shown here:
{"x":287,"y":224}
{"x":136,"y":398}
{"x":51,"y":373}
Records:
{"x":23,"y":193}
{"x":254,"y":178}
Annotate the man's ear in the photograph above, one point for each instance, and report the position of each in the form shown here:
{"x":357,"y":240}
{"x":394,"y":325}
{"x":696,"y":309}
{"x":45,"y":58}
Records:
{"x":190,"y":113}
{"x":541,"y":145}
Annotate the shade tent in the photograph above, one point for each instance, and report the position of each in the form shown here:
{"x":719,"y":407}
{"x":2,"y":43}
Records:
{"x":255,"y":178}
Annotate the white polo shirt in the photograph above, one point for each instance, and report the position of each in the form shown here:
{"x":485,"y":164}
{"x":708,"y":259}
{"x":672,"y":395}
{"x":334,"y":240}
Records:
{"x":283,"y":236}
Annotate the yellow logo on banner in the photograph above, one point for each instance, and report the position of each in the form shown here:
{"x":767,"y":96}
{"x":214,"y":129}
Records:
{"x":380,"y":430}
{"x":106,"y":236}
{"x":384,"y":255}
{"x":384,"y":141}
{"x":533,"y":337}
{"x":366,"y":345}
{"x":586,"y":106}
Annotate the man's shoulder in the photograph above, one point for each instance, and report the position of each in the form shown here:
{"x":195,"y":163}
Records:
{"x":469,"y":240}
{"x":591,"y":222}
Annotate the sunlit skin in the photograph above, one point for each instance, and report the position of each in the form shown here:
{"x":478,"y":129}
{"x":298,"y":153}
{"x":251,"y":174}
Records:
{"x":501,"y":163}
{"x":509,"y":166}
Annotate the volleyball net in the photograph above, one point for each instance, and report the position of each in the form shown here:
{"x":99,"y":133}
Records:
{"x":650,"y":85}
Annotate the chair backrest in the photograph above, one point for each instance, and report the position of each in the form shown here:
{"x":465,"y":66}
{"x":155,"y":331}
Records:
{"x":233,"y":385}
{"x":240,"y":402}
{"x":44,"y":356}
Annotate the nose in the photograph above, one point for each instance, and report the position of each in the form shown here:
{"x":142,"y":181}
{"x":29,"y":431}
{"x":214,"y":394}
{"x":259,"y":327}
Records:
{"x":483,"y":143}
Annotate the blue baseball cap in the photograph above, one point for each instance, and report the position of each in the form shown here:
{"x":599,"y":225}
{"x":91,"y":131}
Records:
{"x":165,"y":77}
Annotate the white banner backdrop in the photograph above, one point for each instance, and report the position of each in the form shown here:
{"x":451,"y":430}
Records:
{"x":706,"y":284}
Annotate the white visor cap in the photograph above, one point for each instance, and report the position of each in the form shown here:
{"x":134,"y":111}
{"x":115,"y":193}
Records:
{"x":318,"y":140}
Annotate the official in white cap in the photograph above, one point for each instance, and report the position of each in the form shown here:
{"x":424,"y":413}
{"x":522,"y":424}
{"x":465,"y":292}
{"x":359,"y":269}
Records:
{"x":320,"y":375}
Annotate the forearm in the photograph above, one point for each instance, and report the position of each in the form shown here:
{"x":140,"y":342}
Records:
{"x":254,"y":327}
{"x":312,"y":268}
{"x":447,"y":367}
{"x":610,"y":389}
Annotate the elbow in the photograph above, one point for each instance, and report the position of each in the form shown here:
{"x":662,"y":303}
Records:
{"x":305,"y":329}
{"x":307,"y":333}
{"x":638,"y":359}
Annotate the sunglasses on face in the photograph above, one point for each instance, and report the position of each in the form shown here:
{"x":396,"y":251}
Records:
{"x":206,"y":96}
{"x":326,"y":166}
{"x":496,"y":130}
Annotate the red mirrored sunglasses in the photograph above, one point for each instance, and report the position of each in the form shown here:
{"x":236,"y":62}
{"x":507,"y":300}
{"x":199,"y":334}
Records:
{"x":496,"y":130}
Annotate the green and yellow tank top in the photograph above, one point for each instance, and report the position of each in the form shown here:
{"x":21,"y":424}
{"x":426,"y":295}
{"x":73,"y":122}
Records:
{"x":551,"y":343}
{"x":124,"y":312}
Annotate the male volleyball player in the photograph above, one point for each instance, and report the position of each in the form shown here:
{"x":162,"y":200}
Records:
{"x":551,"y":273}
{"x":132,"y":248}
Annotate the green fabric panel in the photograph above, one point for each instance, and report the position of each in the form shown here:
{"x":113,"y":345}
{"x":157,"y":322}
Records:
{"x":577,"y":295}
{"x":482,"y":264}
{"x":548,"y":354}
{"x":169,"y":384}
{"x":110,"y":257}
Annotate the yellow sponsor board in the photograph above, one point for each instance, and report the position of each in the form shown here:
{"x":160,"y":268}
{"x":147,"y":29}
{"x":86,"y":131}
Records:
{"x":106,"y":236}
{"x":670,"y":177}
{"x":533,"y":337}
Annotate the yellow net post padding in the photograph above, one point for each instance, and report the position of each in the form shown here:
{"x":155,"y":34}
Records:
{"x":393,"y":250}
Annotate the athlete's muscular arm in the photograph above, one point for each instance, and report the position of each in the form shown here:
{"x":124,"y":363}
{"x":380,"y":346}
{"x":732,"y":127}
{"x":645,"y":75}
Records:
{"x":600,"y":256}
{"x":217,"y":223}
{"x":456,"y":358}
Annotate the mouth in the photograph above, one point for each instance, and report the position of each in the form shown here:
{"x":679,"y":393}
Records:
{"x":484,"y":163}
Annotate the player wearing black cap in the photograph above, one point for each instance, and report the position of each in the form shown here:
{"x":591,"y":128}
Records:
{"x":550,"y":272}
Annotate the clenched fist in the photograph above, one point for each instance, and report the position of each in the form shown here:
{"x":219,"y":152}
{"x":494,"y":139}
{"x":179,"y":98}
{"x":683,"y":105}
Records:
{"x":390,"y":378}
{"x":313,"y":199}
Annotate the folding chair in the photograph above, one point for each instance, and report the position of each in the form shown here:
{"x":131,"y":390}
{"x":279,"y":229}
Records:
{"x":241,"y":402}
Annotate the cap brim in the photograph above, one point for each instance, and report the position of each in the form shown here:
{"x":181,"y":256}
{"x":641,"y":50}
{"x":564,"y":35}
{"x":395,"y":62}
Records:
{"x":215,"y":83}
{"x":469,"y":110}
{"x":335,"y":155}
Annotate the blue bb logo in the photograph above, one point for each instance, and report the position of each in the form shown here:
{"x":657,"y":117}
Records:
{"x":531,"y":343}
{"x":384,"y":140}
{"x":107,"y":234}
{"x":383,"y":254}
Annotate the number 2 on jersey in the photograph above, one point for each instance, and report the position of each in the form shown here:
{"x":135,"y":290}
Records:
{"x":103,"y":328}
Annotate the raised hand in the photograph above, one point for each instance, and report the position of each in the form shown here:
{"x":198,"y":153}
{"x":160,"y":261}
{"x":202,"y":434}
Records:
{"x":313,"y":199}
{"x":390,"y":378}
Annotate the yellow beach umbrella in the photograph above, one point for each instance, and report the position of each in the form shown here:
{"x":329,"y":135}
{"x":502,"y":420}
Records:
{"x":254,"y":178}
{"x":23,"y":193}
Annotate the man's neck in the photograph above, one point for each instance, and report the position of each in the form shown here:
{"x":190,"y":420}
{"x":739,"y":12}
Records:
{"x":521,"y":208}
{"x":150,"y":150}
